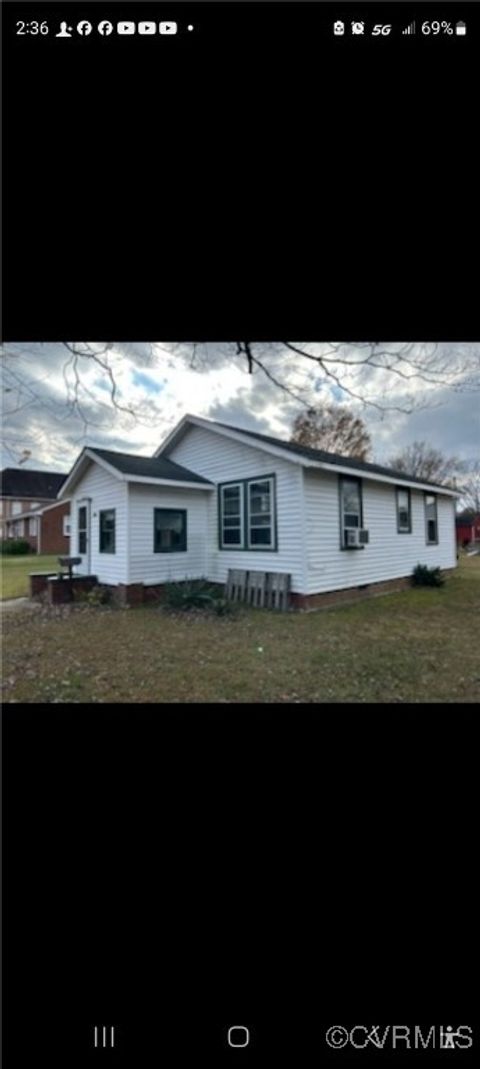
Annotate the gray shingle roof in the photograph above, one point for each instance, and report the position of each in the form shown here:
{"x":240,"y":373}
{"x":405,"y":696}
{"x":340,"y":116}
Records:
{"x":22,"y":483}
{"x":149,"y":467}
{"x":330,"y":458}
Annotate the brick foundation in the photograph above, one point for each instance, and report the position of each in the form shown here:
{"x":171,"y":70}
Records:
{"x":128,"y":593}
{"x":309,"y":602}
{"x":61,"y":591}
{"x":39,"y":582}
{"x":137,"y":594}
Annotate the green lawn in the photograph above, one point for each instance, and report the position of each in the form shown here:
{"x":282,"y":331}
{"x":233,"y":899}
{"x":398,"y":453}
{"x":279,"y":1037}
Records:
{"x":418,"y":645}
{"x":16,"y":570}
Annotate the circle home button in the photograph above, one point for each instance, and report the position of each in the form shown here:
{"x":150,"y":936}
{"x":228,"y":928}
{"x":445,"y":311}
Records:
{"x":238,"y":1036}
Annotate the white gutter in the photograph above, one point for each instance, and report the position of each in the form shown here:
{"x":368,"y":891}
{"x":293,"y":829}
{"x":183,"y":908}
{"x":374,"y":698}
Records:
{"x":167,"y":482}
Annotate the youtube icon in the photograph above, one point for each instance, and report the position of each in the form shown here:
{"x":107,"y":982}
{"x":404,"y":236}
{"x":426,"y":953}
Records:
{"x":168,"y":27}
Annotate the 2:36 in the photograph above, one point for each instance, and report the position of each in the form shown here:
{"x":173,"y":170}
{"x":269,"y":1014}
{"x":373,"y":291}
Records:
{"x":32,"y":27}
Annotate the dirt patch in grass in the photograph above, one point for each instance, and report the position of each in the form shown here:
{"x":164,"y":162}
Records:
{"x":418,"y":645}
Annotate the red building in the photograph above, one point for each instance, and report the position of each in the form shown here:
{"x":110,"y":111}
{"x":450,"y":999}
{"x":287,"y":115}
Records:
{"x":468,"y":528}
{"x":23,"y":494}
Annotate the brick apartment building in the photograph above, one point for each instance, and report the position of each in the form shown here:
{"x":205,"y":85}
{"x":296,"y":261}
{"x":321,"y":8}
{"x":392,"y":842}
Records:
{"x":29,"y":509}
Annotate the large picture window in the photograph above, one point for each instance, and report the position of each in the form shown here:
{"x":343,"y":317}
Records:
{"x":82,"y":529}
{"x":247,"y":517}
{"x":431,"y":521}
{"x":169,"y":530}
{"x":107,"y":531}
{"x":404,"y":513}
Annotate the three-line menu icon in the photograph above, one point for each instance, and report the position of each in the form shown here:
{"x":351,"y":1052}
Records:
{"x":104,"y":1036}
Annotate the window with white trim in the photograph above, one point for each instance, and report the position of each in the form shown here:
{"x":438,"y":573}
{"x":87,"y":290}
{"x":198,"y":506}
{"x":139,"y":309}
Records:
{"x":32,"y":526}
{"x":107,"y":531}
{"x":431,"y":520}
{"x":66,"y":526}
{"x":260,"y":514}
{"x":231,"y":516}
{"x":404,"y":513}
{"x":16,"y":508}
{"x":351,"y":509}
{"x":82,"y":529}
{"x":247,"y":515}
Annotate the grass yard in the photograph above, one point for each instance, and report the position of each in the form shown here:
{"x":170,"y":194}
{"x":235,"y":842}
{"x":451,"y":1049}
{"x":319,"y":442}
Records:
{"x":418,"y":645}
{"x":16,"y":570}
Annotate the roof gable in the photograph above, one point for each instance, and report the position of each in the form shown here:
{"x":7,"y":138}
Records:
{"x":304,"y":455}
{"x":129,"y":467}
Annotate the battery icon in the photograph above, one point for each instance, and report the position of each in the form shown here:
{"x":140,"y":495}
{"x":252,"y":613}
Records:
{"x":461,"y":29}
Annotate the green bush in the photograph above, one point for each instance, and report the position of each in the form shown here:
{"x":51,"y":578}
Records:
{"x":15,"y":547}
{"x":191,"y":594}
{"x":223,"y":607}
{"x":424,"y":576}
{"x":98,"y":595}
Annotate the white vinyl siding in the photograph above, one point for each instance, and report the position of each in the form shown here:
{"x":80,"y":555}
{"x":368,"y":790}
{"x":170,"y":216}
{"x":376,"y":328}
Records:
{"x":105,"y":492}
{"x":389,"y":554}
{"x":147,"y":566}
{"x":223,"y":460}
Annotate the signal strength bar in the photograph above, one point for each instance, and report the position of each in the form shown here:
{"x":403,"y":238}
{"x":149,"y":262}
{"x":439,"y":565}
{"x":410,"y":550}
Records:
{"x":409,"y":29}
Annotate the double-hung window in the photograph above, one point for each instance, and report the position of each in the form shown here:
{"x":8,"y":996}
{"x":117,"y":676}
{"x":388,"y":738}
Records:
{"x":260,"y":514}
{"x":82,"y":529}
{"x":107,"y":531}
{"x":404,"y":512}
{"x":247,"y":514}
{"x":232,"y":516}
{"x":431,"y":520}
{"x":351,"y":511}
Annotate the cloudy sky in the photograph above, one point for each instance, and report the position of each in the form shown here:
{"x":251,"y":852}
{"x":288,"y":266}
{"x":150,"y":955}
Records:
{"x":56,"y":401}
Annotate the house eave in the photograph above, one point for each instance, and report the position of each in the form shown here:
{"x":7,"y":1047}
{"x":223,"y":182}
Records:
{"x":341,"y":469}
{"x":168,"y":482}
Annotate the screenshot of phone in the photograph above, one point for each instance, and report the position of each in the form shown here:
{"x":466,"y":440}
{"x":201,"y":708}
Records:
{"x":240,"y":596}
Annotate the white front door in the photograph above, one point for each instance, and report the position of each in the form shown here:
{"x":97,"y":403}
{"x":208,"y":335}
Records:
{"x":84,"y":533}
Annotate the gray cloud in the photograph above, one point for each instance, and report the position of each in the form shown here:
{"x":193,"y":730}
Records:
{"x":213,"y":381}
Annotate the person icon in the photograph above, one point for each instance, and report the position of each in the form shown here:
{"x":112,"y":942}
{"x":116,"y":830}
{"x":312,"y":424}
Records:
{"x":448,"y":1037}
{"x":65,"y":31}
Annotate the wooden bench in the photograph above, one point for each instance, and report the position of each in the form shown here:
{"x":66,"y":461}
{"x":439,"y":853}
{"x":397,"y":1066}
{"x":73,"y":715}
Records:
{"x":268,"y":590}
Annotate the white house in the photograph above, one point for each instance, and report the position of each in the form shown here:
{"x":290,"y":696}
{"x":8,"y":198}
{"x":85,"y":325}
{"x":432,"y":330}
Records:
{"x":216,"y":497}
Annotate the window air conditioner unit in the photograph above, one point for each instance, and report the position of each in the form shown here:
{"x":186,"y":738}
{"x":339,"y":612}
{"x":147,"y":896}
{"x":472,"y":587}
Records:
{"x":355,"y":537}
{"x":351,"y":537}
